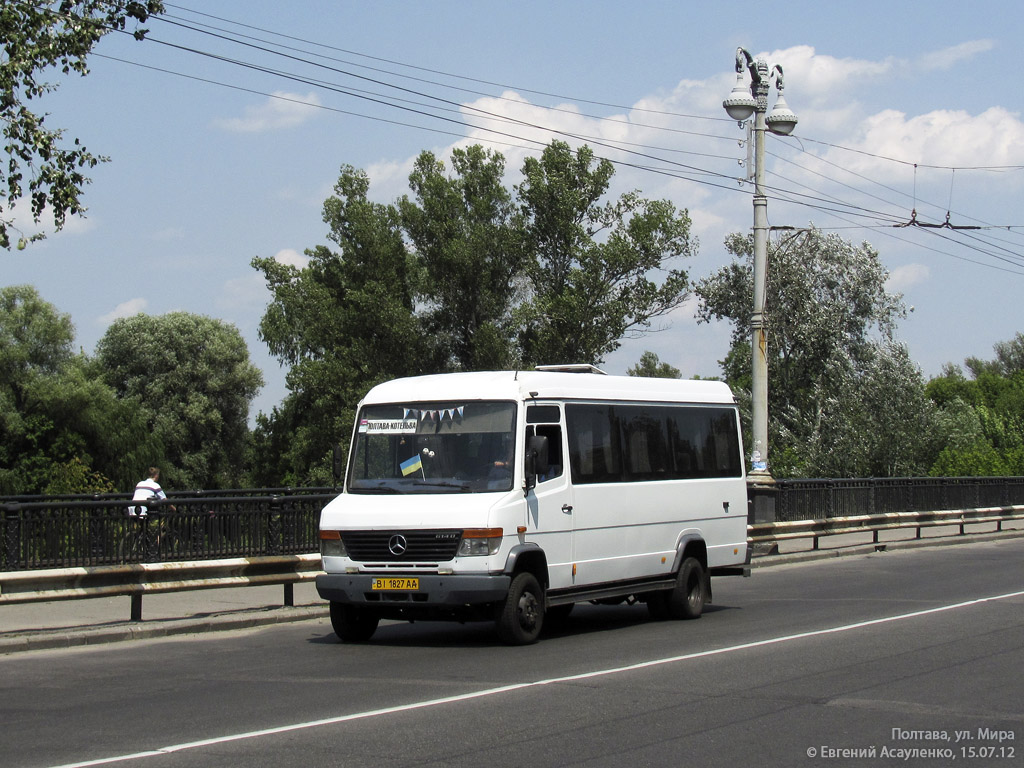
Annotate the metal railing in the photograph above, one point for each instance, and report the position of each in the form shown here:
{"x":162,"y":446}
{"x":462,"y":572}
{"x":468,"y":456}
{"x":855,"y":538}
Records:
{"x":173,"y":494}
{"x":64,"y":549}
{"x":830,"y":498}
{"x":60,"y":534}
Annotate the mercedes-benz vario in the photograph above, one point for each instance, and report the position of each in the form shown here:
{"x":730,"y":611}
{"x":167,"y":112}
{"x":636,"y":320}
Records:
{"x":510,"y":496}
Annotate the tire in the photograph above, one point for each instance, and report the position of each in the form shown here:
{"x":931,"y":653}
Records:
{"x":352,"y":624}
{"x":686,"y":599}
{"x":521,"y":616}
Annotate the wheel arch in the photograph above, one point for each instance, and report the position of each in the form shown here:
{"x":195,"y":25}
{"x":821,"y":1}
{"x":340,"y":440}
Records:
{"x":691,"y":544}
{"x":528,"y":558}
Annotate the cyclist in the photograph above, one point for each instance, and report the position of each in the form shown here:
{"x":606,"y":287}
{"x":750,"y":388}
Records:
{"x":147,"y":489}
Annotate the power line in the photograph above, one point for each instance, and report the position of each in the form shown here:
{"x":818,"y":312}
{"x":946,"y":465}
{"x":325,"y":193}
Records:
{"x":440,"y":72}
{"x":818,"y":200}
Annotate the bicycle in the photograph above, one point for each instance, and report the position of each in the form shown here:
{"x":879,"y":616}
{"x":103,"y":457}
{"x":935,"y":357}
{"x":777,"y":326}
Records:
{"x":148,"y":538}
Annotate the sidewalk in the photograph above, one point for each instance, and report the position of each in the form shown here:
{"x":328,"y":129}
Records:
{"x":92,"y":621}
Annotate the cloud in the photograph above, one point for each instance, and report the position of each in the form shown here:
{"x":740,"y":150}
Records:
{"x":950,"y":138}
{"x":128,"y":308}
{"x":947,"y":58}
{"x":906,"y":276}
{"x":817,"y":76}
{"x":292,"y":257}
{"x":21,"y":221}
{"x":281,"y":111}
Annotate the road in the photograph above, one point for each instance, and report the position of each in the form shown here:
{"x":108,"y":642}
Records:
{"x":848,"y":661}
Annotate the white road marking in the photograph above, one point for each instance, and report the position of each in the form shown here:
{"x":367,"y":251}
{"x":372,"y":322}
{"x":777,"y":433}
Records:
{"x":521,"y":686}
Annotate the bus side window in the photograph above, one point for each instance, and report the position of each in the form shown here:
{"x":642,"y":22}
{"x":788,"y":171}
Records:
{"x":556,"y":462}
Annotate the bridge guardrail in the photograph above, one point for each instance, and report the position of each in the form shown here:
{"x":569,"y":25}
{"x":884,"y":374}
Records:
{"x":138,"y":579}
{"x":772,"y":533}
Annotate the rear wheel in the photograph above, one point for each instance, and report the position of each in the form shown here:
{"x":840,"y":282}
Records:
{"x":352,"y":624}
{"x":521,"y":615}
{"x":686,"y":600}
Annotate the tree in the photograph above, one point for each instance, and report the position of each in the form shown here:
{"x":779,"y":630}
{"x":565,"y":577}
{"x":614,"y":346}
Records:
{"x":38,"y":36}
{"x":61,"y":428}
{"x":834,"y":367}
{"x":343,"y":323}
{"x":987,"y":411}
{"x":652,"y":367}
{"x":591,"y":264}
{"x":1009,"y":359}
{"x":192,"y":378}
{"x":459,"y":276}
{"x":869,"y":419}
{"x":465,"y":239}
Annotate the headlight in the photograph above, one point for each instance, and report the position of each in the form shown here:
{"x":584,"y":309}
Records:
{"x":331,"y":544}
{"x":480,"y":541}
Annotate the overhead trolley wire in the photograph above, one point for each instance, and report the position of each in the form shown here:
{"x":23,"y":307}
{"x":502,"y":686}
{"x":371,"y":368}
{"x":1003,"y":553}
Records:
{"x":829,"y":204}
{"x":445,"y":74}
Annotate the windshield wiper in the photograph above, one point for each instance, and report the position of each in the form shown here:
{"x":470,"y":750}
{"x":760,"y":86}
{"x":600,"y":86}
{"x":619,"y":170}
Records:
{"x":443,"y":484}
{"x":374,"y":489}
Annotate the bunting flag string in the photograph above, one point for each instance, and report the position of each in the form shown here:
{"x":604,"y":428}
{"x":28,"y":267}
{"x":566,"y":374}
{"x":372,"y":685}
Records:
{"x":438,"y":415}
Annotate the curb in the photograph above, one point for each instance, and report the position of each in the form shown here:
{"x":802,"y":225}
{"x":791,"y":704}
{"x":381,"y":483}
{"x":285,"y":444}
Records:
{"x":807,"y":556}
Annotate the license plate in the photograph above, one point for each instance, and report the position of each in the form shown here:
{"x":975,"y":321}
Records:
{"x":393,"y":583}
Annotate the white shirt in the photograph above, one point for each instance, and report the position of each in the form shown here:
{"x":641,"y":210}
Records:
{"x":146,"y":489}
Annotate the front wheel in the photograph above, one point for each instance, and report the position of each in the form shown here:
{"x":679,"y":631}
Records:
{"x":352,"y":624}
{"x":521,"y":615}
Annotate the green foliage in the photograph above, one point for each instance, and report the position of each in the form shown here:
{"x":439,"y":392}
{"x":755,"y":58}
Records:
{"x":461,"y":275}
{"x":978,"y":460}
{"x":462,"y":228}
{"x":873,"y":419}
{"x":345,"y":323}
{"x":61,"y":427}
{"x":652,"y":367}
{"x":40,"y":36}
{"x":191,"y":377}
{"x":74,"y":476}
{"x":1009,"y":359}
{"x":987,"y":414}
{"x":589,"y":274}
{"x":844,"y":398}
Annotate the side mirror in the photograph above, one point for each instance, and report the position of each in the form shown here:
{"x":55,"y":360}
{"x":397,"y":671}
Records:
{"x":536,"y":459}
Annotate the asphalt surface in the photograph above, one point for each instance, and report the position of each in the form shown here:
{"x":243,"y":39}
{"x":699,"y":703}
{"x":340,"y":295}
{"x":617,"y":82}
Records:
{"x":93,"y":621}
{"x":861,"y":660}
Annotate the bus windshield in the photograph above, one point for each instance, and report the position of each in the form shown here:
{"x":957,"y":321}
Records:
{"x":448,"y":447}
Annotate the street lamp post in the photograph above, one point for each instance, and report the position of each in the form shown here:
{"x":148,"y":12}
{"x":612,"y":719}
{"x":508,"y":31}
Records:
{"x":741,"y":104}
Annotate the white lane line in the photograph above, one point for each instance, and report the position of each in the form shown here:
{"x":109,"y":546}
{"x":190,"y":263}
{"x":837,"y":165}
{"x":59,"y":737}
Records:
{"x":520,"y":686}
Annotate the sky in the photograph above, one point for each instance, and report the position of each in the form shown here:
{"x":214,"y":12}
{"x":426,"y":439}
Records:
{"x":228,"y":126}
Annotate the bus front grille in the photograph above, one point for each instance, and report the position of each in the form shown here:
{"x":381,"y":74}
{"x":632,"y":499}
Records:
{"x":402,"y":546}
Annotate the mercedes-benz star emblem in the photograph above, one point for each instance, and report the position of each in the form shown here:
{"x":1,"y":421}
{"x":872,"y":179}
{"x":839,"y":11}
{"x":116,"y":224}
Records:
{"x":397,"y":545}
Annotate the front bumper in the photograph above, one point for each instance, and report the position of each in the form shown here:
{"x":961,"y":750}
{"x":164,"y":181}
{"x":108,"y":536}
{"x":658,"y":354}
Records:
{"x":435,"y":591}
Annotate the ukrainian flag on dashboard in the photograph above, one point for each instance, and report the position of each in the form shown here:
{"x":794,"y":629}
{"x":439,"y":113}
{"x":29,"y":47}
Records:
{"x":412,"y":465}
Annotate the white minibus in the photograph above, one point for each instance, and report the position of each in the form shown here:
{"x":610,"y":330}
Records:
{"x":510,"y":496}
